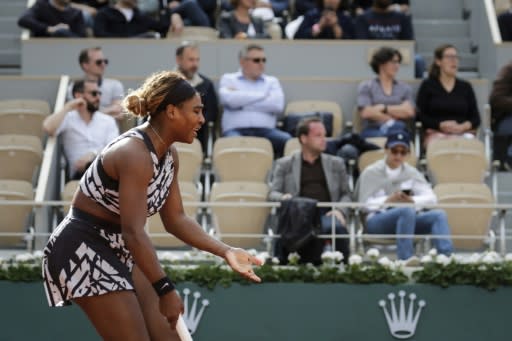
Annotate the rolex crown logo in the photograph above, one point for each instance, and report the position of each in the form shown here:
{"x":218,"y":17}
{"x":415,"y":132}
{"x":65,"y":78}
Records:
{"x":192,"y":312}
{"x":402,"y":322}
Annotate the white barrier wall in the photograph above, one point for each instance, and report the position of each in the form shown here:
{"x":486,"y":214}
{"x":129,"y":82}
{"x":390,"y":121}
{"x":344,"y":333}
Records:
{"x":140,"y":57}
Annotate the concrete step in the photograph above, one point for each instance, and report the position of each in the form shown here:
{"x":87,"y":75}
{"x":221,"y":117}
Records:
{"x":431,"y":28}
{"x":9,"y":25}
{"x":463,"y":44}
{"x":10,"y":57}
{"x":9,"y":41}
{"x":10,"y":71}
{"x":13,"y":8}
{"x":438,"y":9}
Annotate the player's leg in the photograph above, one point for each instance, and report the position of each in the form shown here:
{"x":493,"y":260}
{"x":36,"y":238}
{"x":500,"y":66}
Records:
{"x":116,"y":316}
{"x":157,"y":325}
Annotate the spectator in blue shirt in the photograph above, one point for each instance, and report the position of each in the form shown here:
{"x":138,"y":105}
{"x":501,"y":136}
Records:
{"x":252,"y":100}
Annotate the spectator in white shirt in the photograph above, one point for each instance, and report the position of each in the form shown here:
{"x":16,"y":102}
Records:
{"x":84,"y":129}
{"x":93,"y":63}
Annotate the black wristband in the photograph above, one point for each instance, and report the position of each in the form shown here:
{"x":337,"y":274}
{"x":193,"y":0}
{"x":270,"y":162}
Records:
{"x":163,"y":286}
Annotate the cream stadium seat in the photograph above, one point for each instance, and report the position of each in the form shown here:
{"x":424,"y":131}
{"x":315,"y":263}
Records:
{"x":291,"y":146}
{"x":237,"y":219}
{"x":196,"y":33}
{"x":456,"y":160}
{"x":242,"y":159}
{"x":191,"y":160}
{"x":469,"y":221}
{"x":311,"y":106}
{"x":68,"y":192}
{"x":23,"y":117}
{"x":189,"y":193}
{"x":20,"y":155}
{"x":13,"y":218}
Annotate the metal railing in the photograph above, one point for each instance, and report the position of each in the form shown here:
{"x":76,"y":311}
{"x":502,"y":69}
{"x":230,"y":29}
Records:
{"x":355,"y":231}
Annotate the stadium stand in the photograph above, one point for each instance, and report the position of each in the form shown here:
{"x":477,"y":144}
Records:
{"x":315,"y":73}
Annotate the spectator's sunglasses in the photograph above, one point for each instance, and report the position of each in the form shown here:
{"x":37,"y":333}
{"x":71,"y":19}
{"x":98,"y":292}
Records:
{"x":94,"y":93}
{"x":258,"y":60}
{"x":101,"y":61}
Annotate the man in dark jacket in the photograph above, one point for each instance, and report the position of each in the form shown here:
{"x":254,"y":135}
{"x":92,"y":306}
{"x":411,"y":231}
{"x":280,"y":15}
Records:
{"x":53,"y":18}
{"x":311,"y":173}
{"x":124,"y":19}
{"x":187,"y":62}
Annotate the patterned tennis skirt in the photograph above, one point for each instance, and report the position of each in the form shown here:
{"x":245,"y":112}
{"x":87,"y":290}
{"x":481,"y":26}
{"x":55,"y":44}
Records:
{"x":85,"y":256}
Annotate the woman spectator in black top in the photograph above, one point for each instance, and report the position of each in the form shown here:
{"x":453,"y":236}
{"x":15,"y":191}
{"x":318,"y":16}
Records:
{"x":326,"y":21}
{"x":447,"y":105}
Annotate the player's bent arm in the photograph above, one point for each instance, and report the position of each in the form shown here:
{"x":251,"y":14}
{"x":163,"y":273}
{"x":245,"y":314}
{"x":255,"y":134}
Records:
{"x":134,"y":168}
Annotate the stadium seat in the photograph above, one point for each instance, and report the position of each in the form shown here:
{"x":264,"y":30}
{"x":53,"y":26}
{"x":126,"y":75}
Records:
{"x":191,"y":159}
{"x":309,"y":106}
{"x":239,"y":220}
{"x":23,"y":117}
{"x":242,"y":159}
{"x":189,"y":192}
{"x":13,"y":218}
{"x":68,"y":192}
{"x":20,"y":155}
{"x":196,"y":33}
{"x":456,"y":160}
{"x":291,"y":146}
{"x":470,"y":221}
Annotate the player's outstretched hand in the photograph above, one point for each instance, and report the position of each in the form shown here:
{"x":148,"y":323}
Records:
{"x":242,"y":262}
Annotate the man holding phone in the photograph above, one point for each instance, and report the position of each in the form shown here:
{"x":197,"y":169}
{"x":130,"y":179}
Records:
{"x":390,"y":181}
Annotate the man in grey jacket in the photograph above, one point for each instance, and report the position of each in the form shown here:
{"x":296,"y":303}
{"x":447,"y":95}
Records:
{"x":312,"y":174}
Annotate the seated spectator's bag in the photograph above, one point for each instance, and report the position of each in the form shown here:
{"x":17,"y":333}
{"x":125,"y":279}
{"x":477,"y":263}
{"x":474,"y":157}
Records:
{"x":292,"y":119}
{"x":298,"y":223}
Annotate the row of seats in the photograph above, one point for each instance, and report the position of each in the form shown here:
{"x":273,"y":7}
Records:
{"x":21,"y":153}
{"x":253,"y":159}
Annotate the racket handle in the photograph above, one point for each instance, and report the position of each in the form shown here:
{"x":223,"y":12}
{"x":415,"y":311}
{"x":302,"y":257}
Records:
{"x":182,"y":330}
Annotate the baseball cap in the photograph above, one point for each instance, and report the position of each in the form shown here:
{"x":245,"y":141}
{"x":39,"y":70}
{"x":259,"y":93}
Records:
{"x":398,"y":138}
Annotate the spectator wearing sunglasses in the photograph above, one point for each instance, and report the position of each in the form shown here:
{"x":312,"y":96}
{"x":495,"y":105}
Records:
{"x":53,"y":18}
{"x":252,"y":100}
{"x":240,"y":23}
{"x":84,"y":129}
{"x":93,"y":63}
{"x":391,"y":180}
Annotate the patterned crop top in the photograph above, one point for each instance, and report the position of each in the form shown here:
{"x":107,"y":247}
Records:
{"x":100,"y":187}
